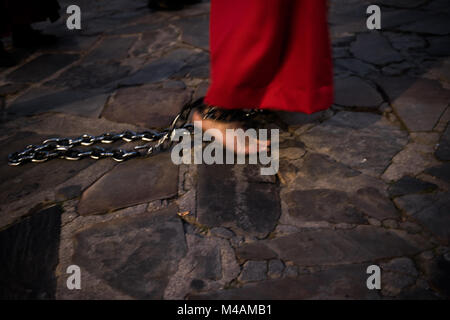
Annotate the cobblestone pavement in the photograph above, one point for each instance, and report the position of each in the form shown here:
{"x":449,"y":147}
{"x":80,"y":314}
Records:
{"x":366,"y":182}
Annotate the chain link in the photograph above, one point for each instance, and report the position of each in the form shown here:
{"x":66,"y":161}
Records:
{"x":66,"y":148}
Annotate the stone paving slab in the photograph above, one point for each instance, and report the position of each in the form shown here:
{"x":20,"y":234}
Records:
{"x":355,"y":92}
{"x":437,"y":25}
{"x":349,"y":138}
{"x":12,"y":89}
{"x":145,"y":181}
{"x":329,"y":284}
{"x":395,"y":18}
{"x":147,"y":106}
{"x":98,"y":21}
{"x":311,"y":247}
{"x":322,"y":204}
{"x":316,"y":171}
{"x":253,"y":271}
{"x":149,"y":245}
{"x":154,"y":41}
{"x":195,"y":30}
{"x":408,"y":185}
{"x":42,"y":67}
{"x":422,"y":104}
{"x":356,"y":66}
{"x":119,"y":45}
{"x":78,"y":102}
{"x":29,"y":255}
{"x":441,"y":172}
{"x":64,"y":125}
{"x":431,"y":210}
{"x":67,"y":42}
{"x":91,"y":76}
{"x":209,"y":264}
{"x":135,"y":28}
{"x":345,"y":19}
{"x":160,"y":69}
{"x":197,"y":66}
{"x":402,"y":41}
{"x":398,"y":273}
{"x":255,"y":251}
{"x":40,"y":178}
{"x":374,"y":48}
{"x":393,"y":86}
{"x":438,"y":269}
{"x":438,"y":46}
{"x":244,"y":206}
{"x":402,"y":3}
{"x":335,"y":206}
{"x":443,"y":150}
{"x":413,"y":159}
{"x":43,"y":197}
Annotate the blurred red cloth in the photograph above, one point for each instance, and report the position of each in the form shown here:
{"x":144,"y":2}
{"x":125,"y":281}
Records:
{"x":270,"y":54}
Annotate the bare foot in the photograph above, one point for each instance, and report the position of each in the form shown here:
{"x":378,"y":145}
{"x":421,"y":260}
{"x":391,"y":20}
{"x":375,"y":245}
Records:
{"x":231,"y":143}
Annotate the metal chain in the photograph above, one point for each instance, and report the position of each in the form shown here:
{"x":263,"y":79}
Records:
{"x":65,"y":148}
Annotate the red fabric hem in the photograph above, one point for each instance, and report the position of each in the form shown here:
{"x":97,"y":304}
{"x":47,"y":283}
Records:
{"x":281,"y":99}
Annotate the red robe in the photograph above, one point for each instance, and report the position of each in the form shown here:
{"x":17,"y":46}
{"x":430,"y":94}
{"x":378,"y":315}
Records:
{"x":270,"y":54}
